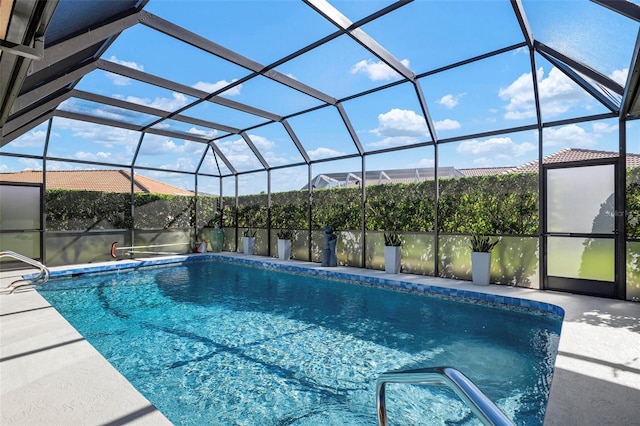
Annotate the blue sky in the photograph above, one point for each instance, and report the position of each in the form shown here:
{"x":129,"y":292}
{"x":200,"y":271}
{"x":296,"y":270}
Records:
{"x":482,"y":96}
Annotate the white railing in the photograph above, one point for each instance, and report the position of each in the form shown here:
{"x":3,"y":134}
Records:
{"x":41,"y":278}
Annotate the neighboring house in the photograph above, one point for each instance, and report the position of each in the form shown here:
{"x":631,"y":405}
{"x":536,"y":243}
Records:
{"x":374,"y":177}
{"x":95,"y":180}
{"x":485,"y":171}
{"x":331,"y":180}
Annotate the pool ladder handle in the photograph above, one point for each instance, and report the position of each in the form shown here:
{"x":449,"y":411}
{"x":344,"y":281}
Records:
{"x":488,"y":413}
{"x":42,"y":278}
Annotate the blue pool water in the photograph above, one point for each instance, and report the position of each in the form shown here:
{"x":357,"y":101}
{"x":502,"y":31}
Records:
{"x":218,"y":343}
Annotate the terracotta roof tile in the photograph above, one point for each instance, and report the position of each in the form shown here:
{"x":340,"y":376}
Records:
{"x":575,"y":154}
{"x":95,"y":180}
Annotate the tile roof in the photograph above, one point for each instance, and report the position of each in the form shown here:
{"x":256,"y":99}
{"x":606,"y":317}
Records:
{"x":575,"y":154}
{"x":95,"y":180}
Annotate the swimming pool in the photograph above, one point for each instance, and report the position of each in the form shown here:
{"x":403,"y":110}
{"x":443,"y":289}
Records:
{"x":211,"y":342}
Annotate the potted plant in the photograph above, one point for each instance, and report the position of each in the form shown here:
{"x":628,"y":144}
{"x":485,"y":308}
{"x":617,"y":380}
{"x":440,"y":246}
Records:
{"x":481,"y":246}
{"x":249,"y":241}
{"x":392,"y":252}
{"x":284,"y":244}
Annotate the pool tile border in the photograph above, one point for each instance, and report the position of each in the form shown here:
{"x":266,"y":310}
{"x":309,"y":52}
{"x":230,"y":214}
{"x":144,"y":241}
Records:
{"x":395,"y":284}
{"x":453,"y":293}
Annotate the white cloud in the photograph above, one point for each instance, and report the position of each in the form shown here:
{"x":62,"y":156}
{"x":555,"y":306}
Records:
{"x":119,"y":80}
{"x":450,"y":101}
{"x":291,"y":178}
{"x":116,"y":114}
{"x":89,"y":156}
{"x":600,"y":127}
{"x":620,"y":76}
{"x":209,"y":134}
{"x":180,"y":163}
{"x":263,"y":144}
{"x":322,"y":152}
{"x":239,"y":154}
{"x":103,"y":111}
{"x":568,"y":136}
{"x":30,"y":163}
{"x":237,"y":149}
{"x":167,"y":146}
{"x":129,"y":64}
{"x":175,"y":179}
{"x":503,"y":149}
{"x":192,"y":147}
{"x":233,"y":146}
{"x":213,"y":87}
{"x":154,"y":145}
{"x":178,"y":100}
{"x":401,"y":122}
{"x":446,"y":124}
{"x":162,"y":147}
{"x":426,"y":162}
{"x":521,"y":50}
{"x":377,"y":70}
{"x":400,"y":127}
{"x":276,"y":160}
{"x":210,"y":164}
{"x":33,"y":139}
{"x":10,"y":165}
{"x":557,"y":93}
{"x":101,"y":138}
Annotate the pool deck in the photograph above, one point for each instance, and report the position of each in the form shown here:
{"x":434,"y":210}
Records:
{"x":50,"y":375}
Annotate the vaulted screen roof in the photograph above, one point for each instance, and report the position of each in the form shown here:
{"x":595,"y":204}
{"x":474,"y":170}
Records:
{"x":225,"y":88}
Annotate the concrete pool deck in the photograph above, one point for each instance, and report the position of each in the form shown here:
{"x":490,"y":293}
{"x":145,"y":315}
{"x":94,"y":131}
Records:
{"x":50,"y":375}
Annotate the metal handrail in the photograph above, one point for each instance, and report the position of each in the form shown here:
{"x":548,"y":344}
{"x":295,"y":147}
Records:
{"x":488,"y":413}
{"x":42,"y":278}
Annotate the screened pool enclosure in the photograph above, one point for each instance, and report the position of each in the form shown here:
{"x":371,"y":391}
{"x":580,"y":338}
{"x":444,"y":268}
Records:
{"x":435,"y":119}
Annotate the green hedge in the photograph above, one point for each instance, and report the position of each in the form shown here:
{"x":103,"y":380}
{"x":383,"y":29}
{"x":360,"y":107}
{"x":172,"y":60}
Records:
{"x":87,"y":210}
{"x":633,"y":203}
{"x":499,"y":204}
{"x":401,"y":207}
{"x":505,"y":204}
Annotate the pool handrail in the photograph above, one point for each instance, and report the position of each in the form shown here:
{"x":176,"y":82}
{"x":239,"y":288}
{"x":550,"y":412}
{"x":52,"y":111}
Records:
{"x":486,"y":411}
{"x":42,"y":278}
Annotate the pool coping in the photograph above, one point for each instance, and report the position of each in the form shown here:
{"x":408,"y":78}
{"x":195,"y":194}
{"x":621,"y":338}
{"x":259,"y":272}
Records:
{"x":596,"y":378}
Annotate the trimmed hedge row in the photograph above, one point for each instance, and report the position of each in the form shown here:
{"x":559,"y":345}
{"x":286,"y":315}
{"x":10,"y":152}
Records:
{"x":504,"y":204}
{"x":499,"y":204}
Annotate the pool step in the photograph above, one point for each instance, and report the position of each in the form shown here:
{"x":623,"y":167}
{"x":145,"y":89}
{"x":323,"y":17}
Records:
{"x":488,"y":413}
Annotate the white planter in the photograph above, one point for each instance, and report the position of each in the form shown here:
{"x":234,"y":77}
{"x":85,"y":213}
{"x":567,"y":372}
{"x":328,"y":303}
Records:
{"x":248,"y":245}
{"x":392,"y":257}
{"x":480,"y":267}
{"x":284,"y":249}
